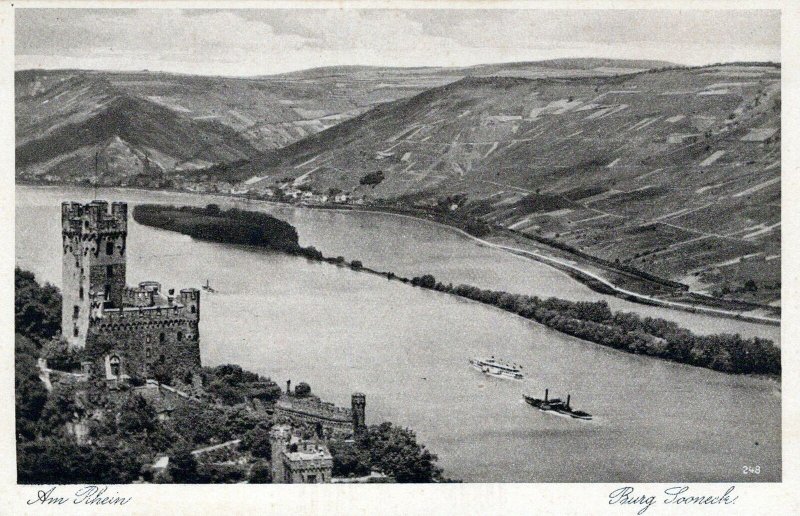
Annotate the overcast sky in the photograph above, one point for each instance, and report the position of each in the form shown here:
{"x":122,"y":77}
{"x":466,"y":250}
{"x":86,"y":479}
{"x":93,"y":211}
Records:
{"x":257,"y":42}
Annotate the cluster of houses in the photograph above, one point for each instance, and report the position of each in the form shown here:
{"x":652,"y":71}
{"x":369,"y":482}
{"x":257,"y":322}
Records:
{"x":287,"y":192}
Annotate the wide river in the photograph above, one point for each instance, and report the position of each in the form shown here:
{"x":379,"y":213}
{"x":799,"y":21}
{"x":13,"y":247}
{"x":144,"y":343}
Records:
{"x":407,"y":348}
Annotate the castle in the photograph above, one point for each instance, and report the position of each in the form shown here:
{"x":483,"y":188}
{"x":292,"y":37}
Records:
{"x":330,"y":421}
{"x":296,"y":460}
{"x":124,"y":330}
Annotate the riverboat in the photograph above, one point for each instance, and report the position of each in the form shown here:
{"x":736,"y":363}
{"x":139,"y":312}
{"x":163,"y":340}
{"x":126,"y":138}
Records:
{"x":497,"y":368}
{"x":556,"y":406}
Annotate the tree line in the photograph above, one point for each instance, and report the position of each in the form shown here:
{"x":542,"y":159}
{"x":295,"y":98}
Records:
{"x":594,"y":321}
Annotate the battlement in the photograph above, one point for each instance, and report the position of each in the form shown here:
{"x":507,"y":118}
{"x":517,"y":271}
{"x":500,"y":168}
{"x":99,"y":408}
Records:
{"x":315,"y":408}
{"x":94,"y":217}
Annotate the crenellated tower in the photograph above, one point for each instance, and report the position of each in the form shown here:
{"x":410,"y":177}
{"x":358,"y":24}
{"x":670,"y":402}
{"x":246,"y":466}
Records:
{"x":93,"y":239}
{"x":359,"y":408}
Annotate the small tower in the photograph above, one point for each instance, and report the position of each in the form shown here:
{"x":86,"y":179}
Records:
{"x":359,"y":406}
{"x":93,"y":267}
{"x":279,"y":437}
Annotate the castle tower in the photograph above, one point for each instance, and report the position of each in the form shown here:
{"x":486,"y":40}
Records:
{"x":93,"y":268}
{"x":359,"y":406}
{"x":279,"y":437}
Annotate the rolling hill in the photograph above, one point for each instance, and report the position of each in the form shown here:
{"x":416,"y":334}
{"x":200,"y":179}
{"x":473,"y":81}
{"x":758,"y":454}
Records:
{"x":675,"y":172}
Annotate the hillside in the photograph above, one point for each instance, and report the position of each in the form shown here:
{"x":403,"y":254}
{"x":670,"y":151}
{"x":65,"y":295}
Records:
{"x":66,"y":123}
{"x":675,"y":172}
{"x":150,"y":127}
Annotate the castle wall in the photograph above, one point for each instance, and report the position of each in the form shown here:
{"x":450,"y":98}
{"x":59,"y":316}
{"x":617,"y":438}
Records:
{"x":149,"y":339}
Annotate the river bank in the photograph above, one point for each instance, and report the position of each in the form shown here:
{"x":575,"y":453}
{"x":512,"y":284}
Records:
{"x":577,"y":271}
{"x":591,"y":321}
{"x":594,"y":275}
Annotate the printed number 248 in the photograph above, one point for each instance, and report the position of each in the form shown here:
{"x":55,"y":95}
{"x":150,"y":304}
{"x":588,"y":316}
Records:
{"x":749,"y":470}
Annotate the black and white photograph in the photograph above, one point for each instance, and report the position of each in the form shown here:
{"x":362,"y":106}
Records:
{"x":355,"y":245}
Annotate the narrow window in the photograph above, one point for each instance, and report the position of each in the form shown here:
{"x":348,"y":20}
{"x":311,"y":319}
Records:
{"x":147,"y":338}
{"x":75,"y":331}
{"x":80,"y":293}
{"x":194,"y":309}
{"x":108,"y":292}
{"x":114,"y":363}
{"x":109,"y":248}
{"x":109,"y":271}
{"x":161,"y":358}
{"x":180,"y":336}
{"x":161,"y":337}
{"x":147,"y":353}
{"x":76,"y":310}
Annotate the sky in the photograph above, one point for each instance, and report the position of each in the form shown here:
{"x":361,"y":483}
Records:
{"x":244,"y":42}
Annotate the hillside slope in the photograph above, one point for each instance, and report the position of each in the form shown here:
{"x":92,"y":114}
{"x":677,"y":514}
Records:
{"x":267,"y":112}
{"x":66,"y":124}
{"x":675,"y":172}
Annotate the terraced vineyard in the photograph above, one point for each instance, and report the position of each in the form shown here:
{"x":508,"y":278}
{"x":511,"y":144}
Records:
{"x":674,"y":172}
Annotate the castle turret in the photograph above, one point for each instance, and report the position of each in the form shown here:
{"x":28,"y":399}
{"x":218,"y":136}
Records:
{"x":359,"y":406}
{"x":190,"y":299}
{"x":93,"y":241}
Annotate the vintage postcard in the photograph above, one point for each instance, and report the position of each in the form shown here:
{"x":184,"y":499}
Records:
{"x":535,"y":250}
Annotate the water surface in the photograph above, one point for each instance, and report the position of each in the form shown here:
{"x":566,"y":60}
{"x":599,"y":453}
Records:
{"x":407,"y":348}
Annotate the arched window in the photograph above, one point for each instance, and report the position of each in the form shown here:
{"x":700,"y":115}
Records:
{"x":109,"y":248}
{"x":114,"y":363}
{"x":161,"y":337}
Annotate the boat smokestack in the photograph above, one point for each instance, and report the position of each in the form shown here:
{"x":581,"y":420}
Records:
{"x":567,"y":400}
{"x":545,"y":395}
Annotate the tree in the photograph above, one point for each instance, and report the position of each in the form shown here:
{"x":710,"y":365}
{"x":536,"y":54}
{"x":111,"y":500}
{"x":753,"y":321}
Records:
{"x":257,"y":441}
{"x":183,"y":466}
{"x":30,"y":394}
{"x":260,"y":473}
{"x":425,"y":281}
{"x":137,"y":416}
{"x":349,"y":459}
{"x":37,"y":309}
{"x":395,"y":451}
{"x":373,"y":178}
{"x":303,"y":390}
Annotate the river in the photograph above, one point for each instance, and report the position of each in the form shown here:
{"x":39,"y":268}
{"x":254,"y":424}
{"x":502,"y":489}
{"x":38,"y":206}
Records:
{"x":407,"y":348}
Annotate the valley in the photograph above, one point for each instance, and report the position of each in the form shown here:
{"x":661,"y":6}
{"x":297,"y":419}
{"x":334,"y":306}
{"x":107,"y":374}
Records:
{"x":664,"y":181}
